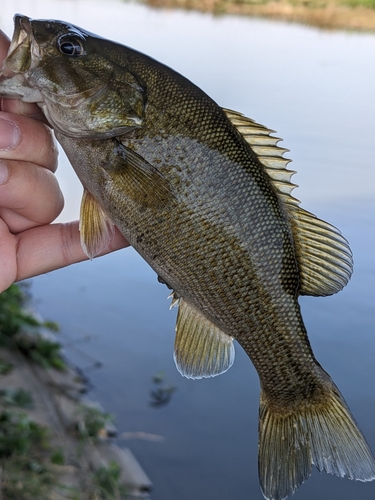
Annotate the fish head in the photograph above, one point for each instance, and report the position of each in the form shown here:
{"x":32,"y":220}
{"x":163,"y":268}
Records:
{"x":81,"y":81}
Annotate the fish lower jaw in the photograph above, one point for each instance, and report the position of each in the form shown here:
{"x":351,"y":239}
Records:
{"x":16,"y":87}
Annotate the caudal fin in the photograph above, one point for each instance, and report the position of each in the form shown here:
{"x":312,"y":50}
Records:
{"x":324,"y":434}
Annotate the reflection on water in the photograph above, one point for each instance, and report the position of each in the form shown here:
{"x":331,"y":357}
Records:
{"x":316,"y":89}
{"x":162,"y":392}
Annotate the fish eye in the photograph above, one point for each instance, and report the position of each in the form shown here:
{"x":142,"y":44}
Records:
{"x":70,"y":46}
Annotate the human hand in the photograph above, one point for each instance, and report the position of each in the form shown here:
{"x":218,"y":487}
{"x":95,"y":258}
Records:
{"x":30,"y":197}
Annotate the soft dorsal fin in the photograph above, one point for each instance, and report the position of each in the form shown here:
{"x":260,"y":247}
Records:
{"x":323,"y":254}
{"x":96,"y":229}
{"x":201,"y":349}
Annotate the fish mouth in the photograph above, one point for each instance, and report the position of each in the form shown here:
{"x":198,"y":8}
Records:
{"x":23,"y":54}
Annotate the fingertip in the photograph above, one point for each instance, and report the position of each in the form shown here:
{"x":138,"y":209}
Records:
{"x":37,"y":143}
{"x":4,"y":45}
{"x":4,"y":39}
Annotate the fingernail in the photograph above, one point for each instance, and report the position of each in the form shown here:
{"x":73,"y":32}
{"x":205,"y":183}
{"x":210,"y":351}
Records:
{"x":4,"y":172}
{"x":9,"y":134}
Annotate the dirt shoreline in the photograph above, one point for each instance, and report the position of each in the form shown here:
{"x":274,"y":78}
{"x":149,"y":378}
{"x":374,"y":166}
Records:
{"x":56,"y":406}
{"x":331,"y":16}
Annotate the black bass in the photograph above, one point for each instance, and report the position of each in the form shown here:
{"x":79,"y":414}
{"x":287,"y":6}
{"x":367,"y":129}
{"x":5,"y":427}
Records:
{"x":204,"y":195}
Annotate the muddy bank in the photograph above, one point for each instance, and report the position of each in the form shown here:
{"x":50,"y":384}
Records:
{"x":50,"y":403}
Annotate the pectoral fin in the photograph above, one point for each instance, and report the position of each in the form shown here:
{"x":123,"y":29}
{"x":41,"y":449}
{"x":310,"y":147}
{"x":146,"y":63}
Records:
{"x":96,"y":229}
{"x":139,"y":179}
{"x":201,"y":349}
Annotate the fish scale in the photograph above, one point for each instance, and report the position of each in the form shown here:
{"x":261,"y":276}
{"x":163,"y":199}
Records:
{"x":204,"y":195}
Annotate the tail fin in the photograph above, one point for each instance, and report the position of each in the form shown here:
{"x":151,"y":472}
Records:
{"x":324,"y":434}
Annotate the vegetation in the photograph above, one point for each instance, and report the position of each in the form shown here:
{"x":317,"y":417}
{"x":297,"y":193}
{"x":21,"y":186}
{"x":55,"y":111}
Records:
{"x":23,"y":458}
{"x":28,"y":461}
{"x":162,"y":394}
{"x":20,"y":329}
{"x":5,"y":367}
{"x":228,"y":6}
{"x":16,"y":397}
{"x":329,"y":14}
{"x":92,"y":422}
{"x":19,"y":435}
{"x":107,"y":482}
{"x":30,"y":464}
{"x":369,"y":4}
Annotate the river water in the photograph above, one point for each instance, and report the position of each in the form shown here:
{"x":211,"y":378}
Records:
{"x":316,"y":89}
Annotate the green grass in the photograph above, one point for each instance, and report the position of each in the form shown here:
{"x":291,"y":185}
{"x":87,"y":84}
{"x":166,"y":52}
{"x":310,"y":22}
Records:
{"x":22,"y":330}
{"x":23,"y":458}
{"x":370,"y":4}
{"x":107,"y":482}
{"x":27,"y":460}
{"x":16,"y":397}
{"x":91,"y":422}
{"x":19,"y":435}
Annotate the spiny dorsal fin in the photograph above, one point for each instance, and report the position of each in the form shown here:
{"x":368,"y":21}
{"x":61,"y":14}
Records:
{"x":201,"y":349}
{"x":323,"y":254}
{"x":96,"y":229}
{"x":266,"y":148}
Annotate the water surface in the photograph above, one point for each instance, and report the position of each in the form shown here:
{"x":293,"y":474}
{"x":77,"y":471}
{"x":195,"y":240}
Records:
{"x":316,"y":89}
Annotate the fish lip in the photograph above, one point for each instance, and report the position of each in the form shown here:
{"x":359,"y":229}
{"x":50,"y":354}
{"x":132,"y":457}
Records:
{"x":21,"y":34}
{"x":23,"y":54}
{"x":22,"y":29}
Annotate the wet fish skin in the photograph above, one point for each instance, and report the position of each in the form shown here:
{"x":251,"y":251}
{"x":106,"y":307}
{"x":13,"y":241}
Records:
{"x":187,"y":184}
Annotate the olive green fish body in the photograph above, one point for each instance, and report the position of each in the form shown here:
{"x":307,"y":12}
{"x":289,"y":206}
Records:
{"x":203,"y":194}
{"x":244,"y":273}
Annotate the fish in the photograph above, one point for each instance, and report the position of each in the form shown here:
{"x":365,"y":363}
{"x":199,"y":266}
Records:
{"x":204,"y":195}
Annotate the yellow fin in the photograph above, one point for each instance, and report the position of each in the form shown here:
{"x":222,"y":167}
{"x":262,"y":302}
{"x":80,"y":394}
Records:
{"x":323,"y":254}
{"x":324,"y":434}
{"x":201,"y":349}
{"x":96,"y":229}
{"x":266,"y":148}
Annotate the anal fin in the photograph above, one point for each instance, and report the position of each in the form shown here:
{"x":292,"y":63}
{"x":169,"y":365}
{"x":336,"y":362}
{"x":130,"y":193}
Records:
{"x":201,"y":349}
